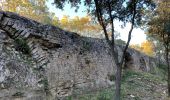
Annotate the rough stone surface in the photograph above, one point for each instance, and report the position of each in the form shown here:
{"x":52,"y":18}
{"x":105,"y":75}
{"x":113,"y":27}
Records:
{"x":61,"y":63}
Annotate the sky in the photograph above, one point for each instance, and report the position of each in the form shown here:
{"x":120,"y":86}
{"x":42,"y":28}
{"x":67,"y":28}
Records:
{"x":138,"y":35}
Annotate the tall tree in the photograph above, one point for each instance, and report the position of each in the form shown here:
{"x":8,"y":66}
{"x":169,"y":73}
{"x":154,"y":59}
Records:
{"x":106,"y":12}
{"x":158,"y":49}
{"x":34,"y":9}
{"x":80,"y":25}
{"x":159,"y":28}
{"x":148,"y":48}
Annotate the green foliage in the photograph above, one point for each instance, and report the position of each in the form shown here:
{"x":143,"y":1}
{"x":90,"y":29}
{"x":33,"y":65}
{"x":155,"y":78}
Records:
{"x":161,"y":71}
{"x":111,"y":77}
{"x":28,"y":8}
{"x":141,"y":85}
{"x":34,"y":9}
{"x":21,"y":45}
{"x":44,"y":81}
{"x":120,"y":42}
{"x":123,"y":9}
{"x":159,"y":24}
{"x":159,"y":29}
{"x":128,"y":74}
{"x":69,"y":98}
{"x":104,"y":96}
{"x":86,"y":46}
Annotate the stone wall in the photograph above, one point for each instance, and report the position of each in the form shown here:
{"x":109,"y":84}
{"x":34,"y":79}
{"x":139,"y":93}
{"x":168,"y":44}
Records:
{"x":60,"y":63}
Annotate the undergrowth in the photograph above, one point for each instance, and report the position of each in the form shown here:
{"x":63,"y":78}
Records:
{"x":135,"y":86}
{"x":21,"y":45}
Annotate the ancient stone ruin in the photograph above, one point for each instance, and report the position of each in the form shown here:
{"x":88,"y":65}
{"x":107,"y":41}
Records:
{"x":44,"y":62}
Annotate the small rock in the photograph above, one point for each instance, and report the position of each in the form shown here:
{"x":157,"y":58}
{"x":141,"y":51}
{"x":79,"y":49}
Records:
{"x":132,"y":96}
{"x":2,"y":86}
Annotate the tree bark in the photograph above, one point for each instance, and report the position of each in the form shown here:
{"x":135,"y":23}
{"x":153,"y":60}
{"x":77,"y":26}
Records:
{"x":119,"y":65}
{"x":112,"y":45}
{"x":168,"y":65}
{"x":118,"y":82}
{"x":101,"y":22}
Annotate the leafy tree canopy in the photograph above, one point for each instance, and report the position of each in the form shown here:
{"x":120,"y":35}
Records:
{"x":120,"y":9}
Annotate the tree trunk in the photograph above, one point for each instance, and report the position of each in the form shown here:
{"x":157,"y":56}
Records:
{"x":118,"y":82}
{"x":112,"y":46}
{"x":167,"y":61}
{"x":159,"y":57}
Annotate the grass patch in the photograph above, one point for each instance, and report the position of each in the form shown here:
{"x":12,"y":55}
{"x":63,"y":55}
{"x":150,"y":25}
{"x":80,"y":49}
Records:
{"x":140,"y":85}
{"x":135,"y":86}
{"x":105,"y":94}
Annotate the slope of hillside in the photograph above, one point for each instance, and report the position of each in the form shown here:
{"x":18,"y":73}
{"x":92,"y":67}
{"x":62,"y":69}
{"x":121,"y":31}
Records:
{"x":135,"y":86}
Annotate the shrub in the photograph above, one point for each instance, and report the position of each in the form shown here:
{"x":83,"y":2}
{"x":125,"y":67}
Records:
{"x":21,"y":45}
{"x":86,"y":46}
